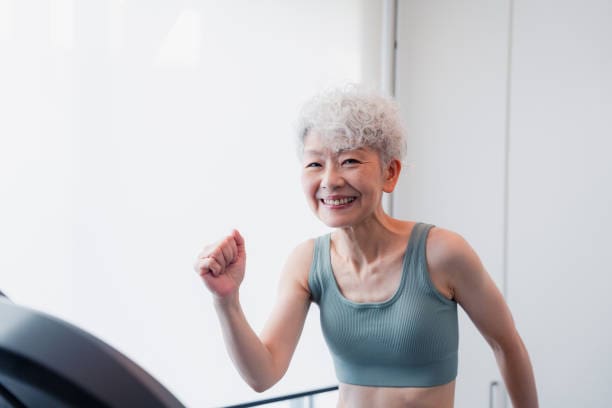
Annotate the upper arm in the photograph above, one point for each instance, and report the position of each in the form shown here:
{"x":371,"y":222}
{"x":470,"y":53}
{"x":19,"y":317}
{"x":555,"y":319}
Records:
{"x":284,"y":326}
{"x":472,"y":287}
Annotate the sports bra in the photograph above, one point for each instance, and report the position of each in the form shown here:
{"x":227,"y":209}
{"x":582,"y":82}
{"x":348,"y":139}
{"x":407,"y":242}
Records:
{"x":408,"y":340}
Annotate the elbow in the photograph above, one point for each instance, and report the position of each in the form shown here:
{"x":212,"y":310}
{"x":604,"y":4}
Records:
{"x":496,"y":346}
{"x":259,"y":387}
{"x":509,"y":346}
{"x":265,"y":377}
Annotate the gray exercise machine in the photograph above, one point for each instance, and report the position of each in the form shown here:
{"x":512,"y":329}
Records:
{"x":47,"y":362}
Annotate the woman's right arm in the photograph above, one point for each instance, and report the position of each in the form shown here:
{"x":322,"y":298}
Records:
{"x":261,"y":361}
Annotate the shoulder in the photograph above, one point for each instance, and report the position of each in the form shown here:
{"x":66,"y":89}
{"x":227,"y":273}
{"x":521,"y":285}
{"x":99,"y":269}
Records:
{"x":302,"y":253}
{"x":451,"y":256}
{"x":446,"y":247}
{"x":298,"y":263}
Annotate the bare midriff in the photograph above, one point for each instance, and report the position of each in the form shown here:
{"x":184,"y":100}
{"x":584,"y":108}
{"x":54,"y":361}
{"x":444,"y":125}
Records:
{"x":357,"y":396}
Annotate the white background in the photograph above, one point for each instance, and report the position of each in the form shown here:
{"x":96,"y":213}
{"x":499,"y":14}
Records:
{"x":509,"y":112}
{"x":451,"y":87}
{"x":134,"y":132}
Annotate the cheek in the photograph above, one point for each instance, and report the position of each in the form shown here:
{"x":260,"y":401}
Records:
{"x":308,"y":186}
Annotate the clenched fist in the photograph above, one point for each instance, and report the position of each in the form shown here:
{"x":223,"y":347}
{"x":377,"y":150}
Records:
{"x":221,"y":265}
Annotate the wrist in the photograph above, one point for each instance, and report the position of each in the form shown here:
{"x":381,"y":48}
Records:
{"x":227,"y":302}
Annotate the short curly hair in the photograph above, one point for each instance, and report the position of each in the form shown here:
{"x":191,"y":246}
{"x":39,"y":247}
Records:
{"x":352,"y":117}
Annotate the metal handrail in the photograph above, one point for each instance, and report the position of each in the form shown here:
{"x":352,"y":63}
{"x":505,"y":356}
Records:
{"x":284,"y":397}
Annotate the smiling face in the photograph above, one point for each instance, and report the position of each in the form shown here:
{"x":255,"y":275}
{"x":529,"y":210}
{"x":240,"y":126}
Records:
{"x":344,"y":186}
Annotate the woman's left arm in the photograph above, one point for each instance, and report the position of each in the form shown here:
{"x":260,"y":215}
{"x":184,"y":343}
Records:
{"x":452,"y":261}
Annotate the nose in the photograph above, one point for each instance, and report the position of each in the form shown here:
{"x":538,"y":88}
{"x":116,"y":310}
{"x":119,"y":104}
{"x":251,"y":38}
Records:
{"x":332,"y":179}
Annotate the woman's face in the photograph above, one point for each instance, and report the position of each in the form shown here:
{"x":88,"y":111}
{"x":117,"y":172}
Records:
{"x":343,"y":187}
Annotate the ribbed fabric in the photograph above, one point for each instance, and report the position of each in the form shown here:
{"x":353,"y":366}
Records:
{"x":409,"y":340}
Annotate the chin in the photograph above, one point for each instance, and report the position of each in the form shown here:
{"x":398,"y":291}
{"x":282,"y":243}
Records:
{"x":335,"y":223}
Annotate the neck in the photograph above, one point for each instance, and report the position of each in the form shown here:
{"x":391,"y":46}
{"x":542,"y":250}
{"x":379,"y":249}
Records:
{"x":372,"y":238}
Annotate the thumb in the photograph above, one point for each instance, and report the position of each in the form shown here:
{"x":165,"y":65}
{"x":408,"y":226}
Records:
{"x":239,"y":239}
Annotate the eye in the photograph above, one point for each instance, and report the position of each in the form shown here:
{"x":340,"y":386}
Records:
{"x":313,"y":164}
{"x":350,"y":162}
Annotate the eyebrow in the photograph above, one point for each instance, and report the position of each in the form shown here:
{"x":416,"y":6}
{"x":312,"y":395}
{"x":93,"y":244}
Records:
{"x":350,"y":149}
{"x":315,"y":152}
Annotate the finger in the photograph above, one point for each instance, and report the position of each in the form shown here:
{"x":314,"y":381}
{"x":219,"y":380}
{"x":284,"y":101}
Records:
{"x":201,"y":266}
{"x":229,"y":250}
{"x":241,"y":253}
{"x":210,"y":265}
{"x":238,"y":238}
{"x":219,"y":257}
{"x":207,"y":250}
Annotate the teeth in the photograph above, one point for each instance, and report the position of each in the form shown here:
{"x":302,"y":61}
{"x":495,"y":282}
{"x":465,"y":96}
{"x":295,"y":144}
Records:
{"x":339,"y":202}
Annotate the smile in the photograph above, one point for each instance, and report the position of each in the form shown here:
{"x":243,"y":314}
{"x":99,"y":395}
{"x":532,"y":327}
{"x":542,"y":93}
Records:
{"x":341,"y":201}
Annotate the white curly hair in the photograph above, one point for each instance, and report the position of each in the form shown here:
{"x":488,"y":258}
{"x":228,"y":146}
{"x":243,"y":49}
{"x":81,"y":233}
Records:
{"x":352,"y":116}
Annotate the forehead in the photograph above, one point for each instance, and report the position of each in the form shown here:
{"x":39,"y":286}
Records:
{"x":316,"y":143}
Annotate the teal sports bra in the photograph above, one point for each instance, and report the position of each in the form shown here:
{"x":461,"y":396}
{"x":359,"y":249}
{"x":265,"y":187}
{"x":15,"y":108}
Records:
{"x":409,"y":340}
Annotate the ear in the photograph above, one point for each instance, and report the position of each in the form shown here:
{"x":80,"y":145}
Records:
{"x":391,"y":174}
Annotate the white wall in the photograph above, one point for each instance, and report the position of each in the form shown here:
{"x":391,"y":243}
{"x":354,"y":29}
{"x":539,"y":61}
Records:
{"x":463,"y":86}
{"x":451,"y":87}
{"x":134,"y":132}
{"x":560,"y":199}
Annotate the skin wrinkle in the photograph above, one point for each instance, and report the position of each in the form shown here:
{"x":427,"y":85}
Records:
{"x":367,"y":244}
{"x":354,"y":116}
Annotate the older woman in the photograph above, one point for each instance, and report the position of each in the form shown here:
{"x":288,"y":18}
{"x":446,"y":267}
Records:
{"x":387,"y":289}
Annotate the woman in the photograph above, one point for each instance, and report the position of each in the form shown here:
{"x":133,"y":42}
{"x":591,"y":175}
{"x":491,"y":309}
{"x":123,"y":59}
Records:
{"x":387,"y":289}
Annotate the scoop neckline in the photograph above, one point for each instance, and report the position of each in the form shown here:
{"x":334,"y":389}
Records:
{"x":382,"y":303}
